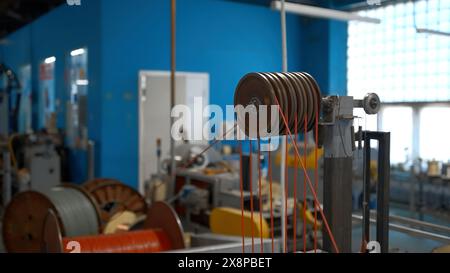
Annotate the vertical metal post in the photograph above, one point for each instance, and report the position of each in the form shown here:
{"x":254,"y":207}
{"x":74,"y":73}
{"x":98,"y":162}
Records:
{"x":383,"y":191}
{"x":338,"y":172}
{"x":366,"y":189}
{"x":91,"y":160}
{"x":284,"y":139}
{"x":172,"y":88}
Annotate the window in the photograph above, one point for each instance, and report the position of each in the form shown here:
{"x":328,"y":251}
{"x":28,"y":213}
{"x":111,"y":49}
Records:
{"x":435,"y":133}
{"x":395,"y":61}
{"x":410,"y":72}
{"x":77,"y":105}
{"x":47,"y":113}
{"x":398,"y":119}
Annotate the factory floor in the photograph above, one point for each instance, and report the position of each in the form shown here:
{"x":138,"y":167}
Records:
{"x":401,"y":242}
{"x":398,"y":242}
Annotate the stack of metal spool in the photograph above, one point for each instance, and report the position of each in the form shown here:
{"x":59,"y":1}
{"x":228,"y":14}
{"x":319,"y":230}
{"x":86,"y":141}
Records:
{"x":296,"y":94}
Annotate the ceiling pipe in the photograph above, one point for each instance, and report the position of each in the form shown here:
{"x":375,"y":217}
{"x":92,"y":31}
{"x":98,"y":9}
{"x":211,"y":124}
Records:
{"x":325,"y":13}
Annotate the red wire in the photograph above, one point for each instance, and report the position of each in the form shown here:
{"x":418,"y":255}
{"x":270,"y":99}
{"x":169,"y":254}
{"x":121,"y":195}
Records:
{"x":242,"y":198}
{"x":316,"y":199}
{"x":143,"y":241}
{"x":251,"y":196}
{"x":260,"y":196}
{"x":305,"y":147}
{"x":316,"y":174}
{"x":271,"y":208}
{"x":295,"y":193}
{"x":286,"y":187}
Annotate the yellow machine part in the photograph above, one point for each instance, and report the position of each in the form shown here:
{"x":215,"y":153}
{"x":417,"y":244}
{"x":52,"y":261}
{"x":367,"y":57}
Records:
{"x":309,"y":216}
{"x":227,"y":221}
{"x":291,"y":157}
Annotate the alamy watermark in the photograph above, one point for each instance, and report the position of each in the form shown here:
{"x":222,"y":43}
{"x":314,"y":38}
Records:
{"x":200,"y":122}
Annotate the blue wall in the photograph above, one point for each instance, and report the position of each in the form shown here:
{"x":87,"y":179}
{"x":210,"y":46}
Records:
{"x":224,"y":38}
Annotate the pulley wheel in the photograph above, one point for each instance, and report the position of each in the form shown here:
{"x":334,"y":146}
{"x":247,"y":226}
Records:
{"x":254,"y":89}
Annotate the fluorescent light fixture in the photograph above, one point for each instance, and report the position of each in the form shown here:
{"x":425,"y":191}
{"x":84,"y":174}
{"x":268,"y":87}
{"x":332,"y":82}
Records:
{"x":433,"y":32}
{"x":50,"y":60}
{"x":82,"y":82}
{"x":77,"y":52}
{"x":323,"y":12}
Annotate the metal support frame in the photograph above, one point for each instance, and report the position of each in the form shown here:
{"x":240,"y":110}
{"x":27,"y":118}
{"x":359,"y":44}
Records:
{"x":337,"y":126}
{"x":383,"y":184}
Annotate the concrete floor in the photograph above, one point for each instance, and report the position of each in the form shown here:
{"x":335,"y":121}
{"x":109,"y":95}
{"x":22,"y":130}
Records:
{"x":398,"y":242}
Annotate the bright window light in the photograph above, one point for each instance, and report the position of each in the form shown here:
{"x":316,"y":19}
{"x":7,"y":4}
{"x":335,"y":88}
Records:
{"x":434,"y":135}
{"x":399,"y":121}
{"x":82,"y":82}
{"x":394,"y":61}
{"x":50,"y":60}
{"x":77,"y":52}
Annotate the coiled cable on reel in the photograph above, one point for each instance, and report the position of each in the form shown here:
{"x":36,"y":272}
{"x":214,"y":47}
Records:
{"x":24,"y":218}
{"x":162,"y":232}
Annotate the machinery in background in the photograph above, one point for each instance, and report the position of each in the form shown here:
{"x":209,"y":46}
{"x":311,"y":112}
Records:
{"x":424,"y":188}
{"x":31,"y":162}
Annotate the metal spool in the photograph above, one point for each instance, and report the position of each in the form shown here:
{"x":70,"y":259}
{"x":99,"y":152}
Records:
{"x":92,"y":184}
{"x":24,"y":217}
{"x":297,"y":94}
{"x":113,"y":196}
{"x":162,"y":232}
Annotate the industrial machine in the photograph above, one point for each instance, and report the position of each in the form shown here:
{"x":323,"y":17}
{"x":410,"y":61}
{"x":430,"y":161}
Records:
{"x":302,"y":109}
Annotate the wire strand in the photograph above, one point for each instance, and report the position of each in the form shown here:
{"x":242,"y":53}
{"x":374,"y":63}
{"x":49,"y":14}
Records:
{"x":316,"y":199}
{"x":242,"y":197}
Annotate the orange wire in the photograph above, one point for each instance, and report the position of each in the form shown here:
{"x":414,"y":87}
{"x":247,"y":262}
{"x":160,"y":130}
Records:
{"x":316,"y":174}
{"x":310,"y":185}
{"x":305,"y":147}
{"x":295,"y":194}
{"x":242,"y":198}
{"x":270,"y":186}
{"x":143,"y":241}
{"x":251,"y":196}
{"x":286,"y":187}
{"x":260,"y":196}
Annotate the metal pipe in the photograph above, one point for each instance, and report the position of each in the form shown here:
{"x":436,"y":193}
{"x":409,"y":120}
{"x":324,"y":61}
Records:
{"x":172,"y":88}
{"x":411,"y":231}
{"x":284,"y":139}
{"x":416,"y":223}
{"x":91,"y":160}
{"x":433,"y":32}
{"x":312,"y":11}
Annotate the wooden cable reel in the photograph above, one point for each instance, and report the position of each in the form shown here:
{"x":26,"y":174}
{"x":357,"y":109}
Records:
{"x":296,"y":93}
{"x":113,"y":196}
{"x":162,"y":232}
{"x":75,"y":211}
{"x":94,"y":183}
